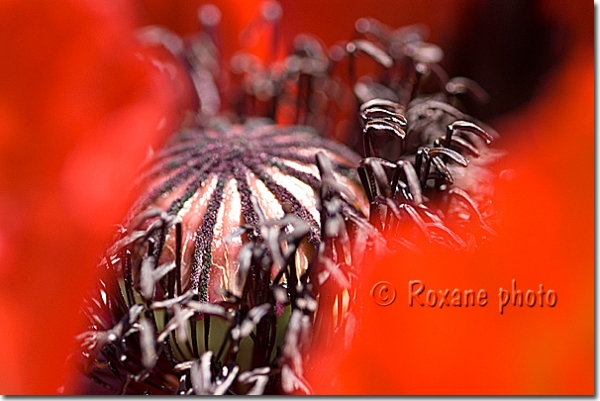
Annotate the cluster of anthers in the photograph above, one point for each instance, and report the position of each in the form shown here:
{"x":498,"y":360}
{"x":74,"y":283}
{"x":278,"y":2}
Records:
{"x":252,"y":226}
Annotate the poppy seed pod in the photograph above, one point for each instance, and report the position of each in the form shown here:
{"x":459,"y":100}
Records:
{"x":218,"y":247}
{"x":202,"y":183}
{"x":247,"y":239}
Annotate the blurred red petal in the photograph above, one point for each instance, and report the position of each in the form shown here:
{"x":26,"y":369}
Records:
{"x":546,"y":235}
{"x":78,"y":112}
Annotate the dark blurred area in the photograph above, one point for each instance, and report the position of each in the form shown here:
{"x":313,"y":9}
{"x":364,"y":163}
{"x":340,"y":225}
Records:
{"x":508,"y":47}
